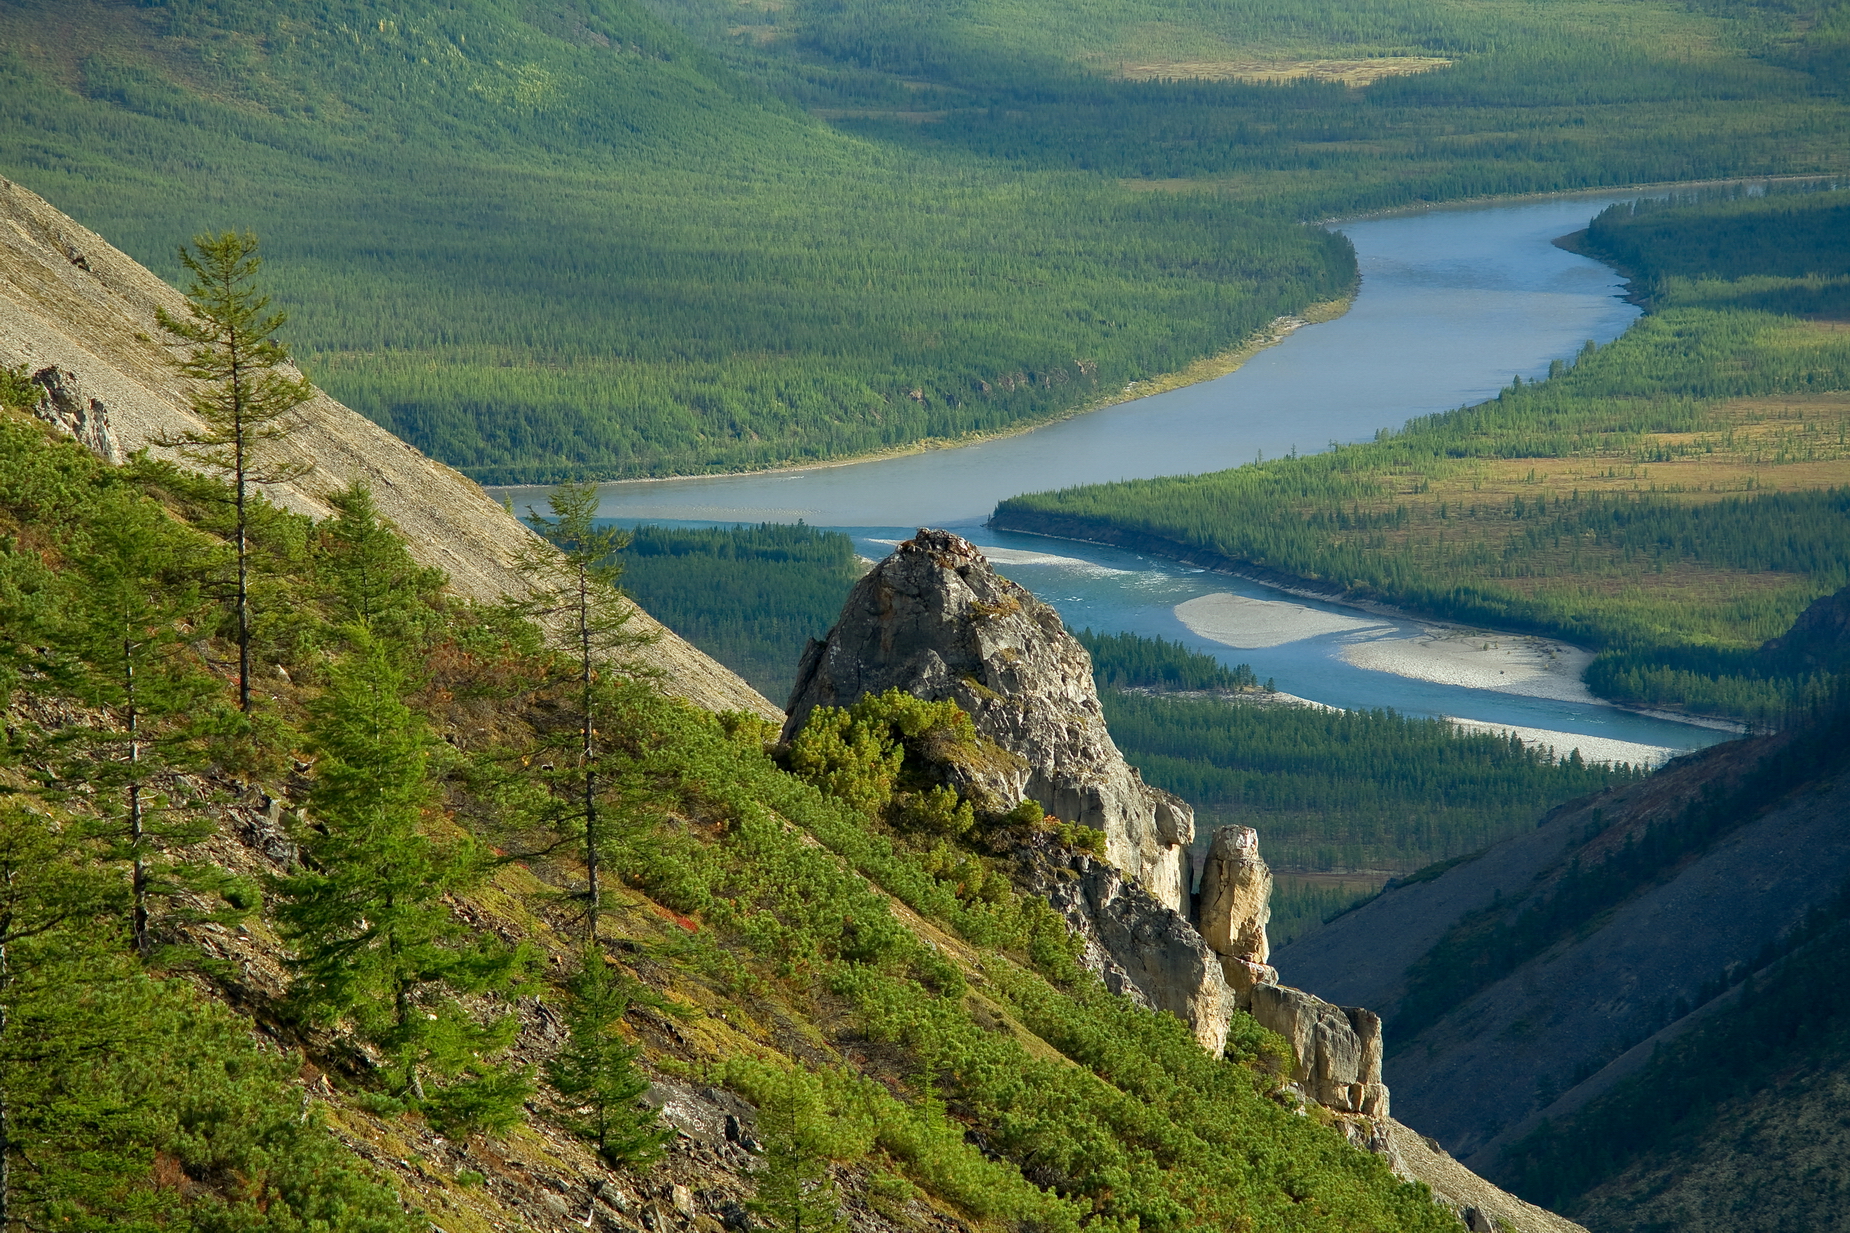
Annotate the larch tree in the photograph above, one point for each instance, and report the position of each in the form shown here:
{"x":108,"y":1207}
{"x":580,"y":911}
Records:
{"x":247,"y":405}
{"x":123,"y":635}
{"x":574,"y":579}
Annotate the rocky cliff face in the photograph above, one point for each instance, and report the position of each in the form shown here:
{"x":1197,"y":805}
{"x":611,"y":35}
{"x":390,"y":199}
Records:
{"x":79,"y":316}
{"x":935,"y":620}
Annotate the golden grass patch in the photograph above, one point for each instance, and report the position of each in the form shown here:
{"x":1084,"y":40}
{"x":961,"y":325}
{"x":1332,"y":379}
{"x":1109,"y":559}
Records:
{"x":1352,"y":73}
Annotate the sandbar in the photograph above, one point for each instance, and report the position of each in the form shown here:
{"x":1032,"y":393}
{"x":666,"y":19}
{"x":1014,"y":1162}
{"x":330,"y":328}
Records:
{"x":1254,"y":624}
{"x":1475,"y":659}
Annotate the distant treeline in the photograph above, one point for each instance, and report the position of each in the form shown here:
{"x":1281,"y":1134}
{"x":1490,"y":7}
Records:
{"x":748,"y":596}
{"x":1130,"y":661}
{"x":1621,"y":502}
{"x":1346,"y":790}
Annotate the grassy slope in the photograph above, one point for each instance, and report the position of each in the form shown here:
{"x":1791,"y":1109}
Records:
{"x":1624,"y":501}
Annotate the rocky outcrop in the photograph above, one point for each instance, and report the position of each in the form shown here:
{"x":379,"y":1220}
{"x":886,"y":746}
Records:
{"x":64,"y":405}
{"x":1236,"y":906}
{"x":1337,"y":1048}
{"x":1139,"y":947}
{"x":935,"y":620}
{"x":79,"y":315}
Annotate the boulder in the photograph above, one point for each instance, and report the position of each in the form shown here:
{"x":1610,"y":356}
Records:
{"x":1337,"y":1048}
{"x":935,"y":620}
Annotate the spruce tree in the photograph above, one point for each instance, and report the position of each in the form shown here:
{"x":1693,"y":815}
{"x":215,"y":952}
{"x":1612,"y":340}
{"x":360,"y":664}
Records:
{"x":246,"y":404}
{"x":795,"y":1192}
{"x":376,"y":943}
{"x":596,"y":1073}
{"x":131,"y":608}
{"x":368,"y":576}
{"x":574,"y":579}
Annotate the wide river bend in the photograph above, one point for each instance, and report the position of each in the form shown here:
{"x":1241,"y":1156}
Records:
{"x":1453,"y":303}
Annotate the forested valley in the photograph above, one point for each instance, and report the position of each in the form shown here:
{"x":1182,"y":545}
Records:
{"x":1675,"y":499}
{"x":606,"y":240}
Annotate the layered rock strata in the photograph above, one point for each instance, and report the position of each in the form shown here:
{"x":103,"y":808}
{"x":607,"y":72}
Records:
{"x":935,"y":620}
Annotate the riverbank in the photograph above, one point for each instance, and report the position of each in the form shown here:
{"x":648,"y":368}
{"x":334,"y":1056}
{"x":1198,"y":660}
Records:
{"x":1522,"y":663}
{"x":1208,"y":368}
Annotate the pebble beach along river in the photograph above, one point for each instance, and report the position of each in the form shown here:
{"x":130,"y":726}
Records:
{"x":1453,"y":303}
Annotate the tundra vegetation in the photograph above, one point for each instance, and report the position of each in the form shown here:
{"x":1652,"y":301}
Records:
{"x":844,"y":227}
{"x":436,"y":891}
{"x":1675,"y":498}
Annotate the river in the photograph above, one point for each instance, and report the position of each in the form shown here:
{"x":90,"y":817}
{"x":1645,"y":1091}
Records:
{"x":1453,"y":302}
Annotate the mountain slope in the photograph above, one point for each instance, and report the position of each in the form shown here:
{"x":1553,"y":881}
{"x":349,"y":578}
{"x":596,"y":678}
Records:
{"x":1582,"y":1005}
{"x":72,"y":302}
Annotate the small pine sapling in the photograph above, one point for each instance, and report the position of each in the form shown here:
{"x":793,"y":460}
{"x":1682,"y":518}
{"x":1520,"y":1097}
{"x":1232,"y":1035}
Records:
{"x":376,"y":943}
{"x":795,"y":1192}
{"x":596,"y":1075}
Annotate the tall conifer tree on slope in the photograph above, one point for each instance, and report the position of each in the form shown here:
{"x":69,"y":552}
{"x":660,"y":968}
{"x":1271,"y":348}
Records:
{"x":376,"y":943}
{"x":246,"y":404}
{"x":123,"y":631}
{"x":575,"y":592}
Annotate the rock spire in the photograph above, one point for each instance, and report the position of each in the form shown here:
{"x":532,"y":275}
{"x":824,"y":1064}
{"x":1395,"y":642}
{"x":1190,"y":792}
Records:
{"x":935,"y":620}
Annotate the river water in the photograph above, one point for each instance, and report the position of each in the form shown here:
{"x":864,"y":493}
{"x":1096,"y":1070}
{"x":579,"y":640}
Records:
{"x":1453,"y":303}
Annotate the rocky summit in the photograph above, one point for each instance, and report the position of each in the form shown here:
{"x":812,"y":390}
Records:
{"x":935,"y":620}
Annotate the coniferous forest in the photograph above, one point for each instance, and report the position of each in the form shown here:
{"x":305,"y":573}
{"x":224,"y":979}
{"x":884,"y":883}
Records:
{"x":613,"y":239}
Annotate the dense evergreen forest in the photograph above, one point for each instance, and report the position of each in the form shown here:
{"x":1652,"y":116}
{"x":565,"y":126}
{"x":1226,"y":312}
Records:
{"x":422,"y":889}
{"x":599,"y":239}
{"x":751,"y":597}
{"x":1675,"y":498}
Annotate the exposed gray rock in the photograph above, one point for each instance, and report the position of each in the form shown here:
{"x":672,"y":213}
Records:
{"x":1236,"y":906}
{"x":1138,"y":946}
{"x":935,"y":620}
{"x":64,"y":404}
{"x":1337,"y":1048}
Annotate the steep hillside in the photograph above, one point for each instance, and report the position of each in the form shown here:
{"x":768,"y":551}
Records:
{"x":1583,"y":1006}
{"x":72,"y":302}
